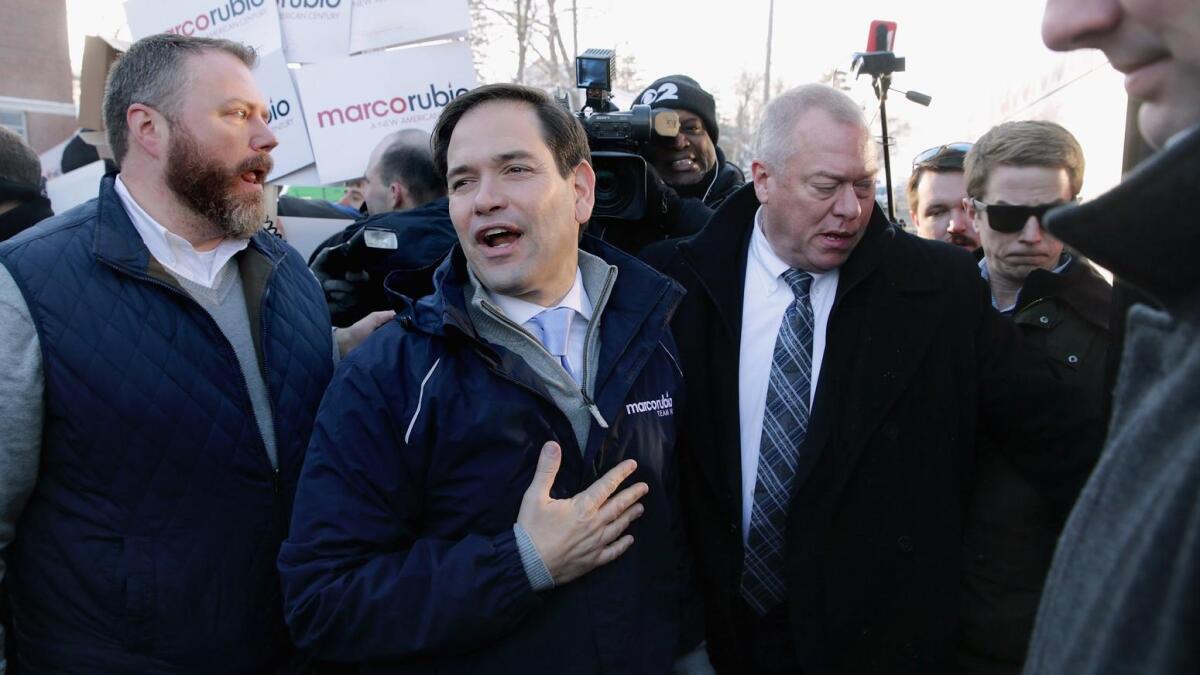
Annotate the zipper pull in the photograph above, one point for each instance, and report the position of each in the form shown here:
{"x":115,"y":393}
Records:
{"x":591,"y":406}
{"x":276,"y":482}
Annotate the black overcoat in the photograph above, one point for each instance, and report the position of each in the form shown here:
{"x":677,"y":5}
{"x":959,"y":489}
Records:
{"x":916,"y":365}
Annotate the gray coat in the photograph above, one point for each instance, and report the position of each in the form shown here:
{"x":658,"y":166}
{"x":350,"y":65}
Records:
{"x":1123,"y":595}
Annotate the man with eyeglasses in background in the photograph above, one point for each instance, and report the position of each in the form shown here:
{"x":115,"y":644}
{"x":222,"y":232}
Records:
{"x":936,"y":189}
{"x":1014,"y":174}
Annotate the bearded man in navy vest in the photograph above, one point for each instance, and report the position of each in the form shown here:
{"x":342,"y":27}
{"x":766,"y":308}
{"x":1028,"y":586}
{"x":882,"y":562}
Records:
{"x":162,"y":362}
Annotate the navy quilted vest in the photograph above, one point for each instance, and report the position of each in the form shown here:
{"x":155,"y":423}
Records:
{"x":149,"y":543}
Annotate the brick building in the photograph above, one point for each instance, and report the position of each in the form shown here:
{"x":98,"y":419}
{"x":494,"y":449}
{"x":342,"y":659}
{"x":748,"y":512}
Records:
{"x":35,"y":71}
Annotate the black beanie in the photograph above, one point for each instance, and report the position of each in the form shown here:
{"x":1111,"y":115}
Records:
{"x":681,"y":91}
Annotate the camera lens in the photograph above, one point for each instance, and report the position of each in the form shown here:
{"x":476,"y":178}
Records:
{"x":615,"y":188}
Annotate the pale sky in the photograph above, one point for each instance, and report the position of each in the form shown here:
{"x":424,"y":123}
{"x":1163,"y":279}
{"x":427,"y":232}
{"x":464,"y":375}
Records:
{"x":982,"y":62}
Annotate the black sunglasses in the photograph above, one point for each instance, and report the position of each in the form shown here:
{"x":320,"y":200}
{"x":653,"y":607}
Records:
{"x":1010,"y":218}
{"x":951,"y":153}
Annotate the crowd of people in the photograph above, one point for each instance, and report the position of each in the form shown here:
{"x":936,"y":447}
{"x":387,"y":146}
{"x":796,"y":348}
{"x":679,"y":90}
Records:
{"x":782,"y":435}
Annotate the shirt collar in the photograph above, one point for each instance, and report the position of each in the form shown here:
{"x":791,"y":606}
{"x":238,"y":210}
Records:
{"x":770,"y":263}
{"x":173,"y":251}
{"x":1064,"y":261}
{"x":521,"y":311}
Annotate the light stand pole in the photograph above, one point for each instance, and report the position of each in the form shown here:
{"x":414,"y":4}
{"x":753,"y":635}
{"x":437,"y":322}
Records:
{"x":880,"y":66}
{"x":767,"y":71}
{"x":881,"y":85}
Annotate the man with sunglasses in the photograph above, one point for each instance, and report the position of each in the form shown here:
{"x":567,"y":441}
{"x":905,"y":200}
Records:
{"x":1014,"y":174}
{"x":936,"y":189}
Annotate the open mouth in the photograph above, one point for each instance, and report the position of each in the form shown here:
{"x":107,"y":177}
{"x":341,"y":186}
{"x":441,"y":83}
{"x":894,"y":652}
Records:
{"x":255,"y":176}
{"x":684,"y":164}
{"x":497,"y":237}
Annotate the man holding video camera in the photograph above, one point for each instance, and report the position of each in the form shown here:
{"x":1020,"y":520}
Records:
{"x":691,"y":163}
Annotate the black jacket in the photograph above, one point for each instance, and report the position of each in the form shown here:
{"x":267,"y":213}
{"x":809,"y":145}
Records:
{"x":23,"y":217}
{"x":1012,"y":529}
{"x":352,"y":264}
{"x":916,"y":364}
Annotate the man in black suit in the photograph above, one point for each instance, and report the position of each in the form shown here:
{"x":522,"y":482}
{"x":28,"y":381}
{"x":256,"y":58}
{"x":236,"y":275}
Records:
{"x":839,"y":371}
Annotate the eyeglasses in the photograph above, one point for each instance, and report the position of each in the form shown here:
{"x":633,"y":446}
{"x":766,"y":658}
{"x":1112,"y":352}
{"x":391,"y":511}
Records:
{"x":1010,"y":218}
{"x":942,"y":155}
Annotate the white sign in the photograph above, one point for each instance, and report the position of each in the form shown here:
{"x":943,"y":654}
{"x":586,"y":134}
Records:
{"x":390,"y":91}
{"x":315,"y":30}
{"x":251,"y":22}
{"x":306,"y":176}
{"x":72,"y":189}
{"x":376,"y":24}
{"x":287,"y":116}
{"x":306,"y":234}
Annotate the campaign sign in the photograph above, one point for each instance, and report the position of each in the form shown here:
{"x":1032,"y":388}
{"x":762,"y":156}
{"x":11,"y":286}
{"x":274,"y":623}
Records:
{"x":315,"y":30}
{"x":286,"y":115}
{"x":251,"y":22}
{"x":390,"y":91}
{"x":376,"y":24}
{"x":306,"y":176}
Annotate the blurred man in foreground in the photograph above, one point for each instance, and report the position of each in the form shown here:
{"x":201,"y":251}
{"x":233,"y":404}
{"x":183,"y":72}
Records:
{"x":1123,"y":594}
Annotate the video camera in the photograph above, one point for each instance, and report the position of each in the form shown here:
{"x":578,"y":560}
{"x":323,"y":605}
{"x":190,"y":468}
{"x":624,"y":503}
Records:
{"x":622,"y":176}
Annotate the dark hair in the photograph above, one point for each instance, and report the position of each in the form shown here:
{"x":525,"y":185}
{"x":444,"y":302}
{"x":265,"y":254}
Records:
{"x":152,"y":73}
{"x":19,"y":164}
{"x":947,"y":162}
{"x":412,"y":165}
{"x":561,"y":131}
{"x":1024,"y":143}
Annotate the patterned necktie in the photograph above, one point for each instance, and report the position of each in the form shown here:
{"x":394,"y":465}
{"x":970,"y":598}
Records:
{"x":785,"y":422}
{"x":553,"y":328}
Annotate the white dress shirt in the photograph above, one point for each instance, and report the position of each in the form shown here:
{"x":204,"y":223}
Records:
{"x":173,"y":251}
{"x":764,"y":301}
{"x":520,"y":311}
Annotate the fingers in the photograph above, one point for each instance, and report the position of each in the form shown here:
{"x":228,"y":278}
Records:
{"x":599,"y":492}
{"x":621,"y":502}
{"x":617,"y":527}
{"x":614,"y":550}
{"x":547,"y":468}
{"x":377,"y":319}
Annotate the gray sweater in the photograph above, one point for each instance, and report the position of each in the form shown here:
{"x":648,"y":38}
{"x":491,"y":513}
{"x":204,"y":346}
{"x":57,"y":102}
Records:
{"x":1123,"y":594}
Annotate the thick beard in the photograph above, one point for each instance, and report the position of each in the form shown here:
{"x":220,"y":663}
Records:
{"x":207,"y":188}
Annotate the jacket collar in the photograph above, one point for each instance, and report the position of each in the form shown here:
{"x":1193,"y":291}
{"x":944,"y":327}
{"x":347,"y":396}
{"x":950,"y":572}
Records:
{"x":638,"y":292}
{"x":1078,"y":285}
{"x":1145,"y":229}
{"x":718,"y":255}
{"x":117,"y":241}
